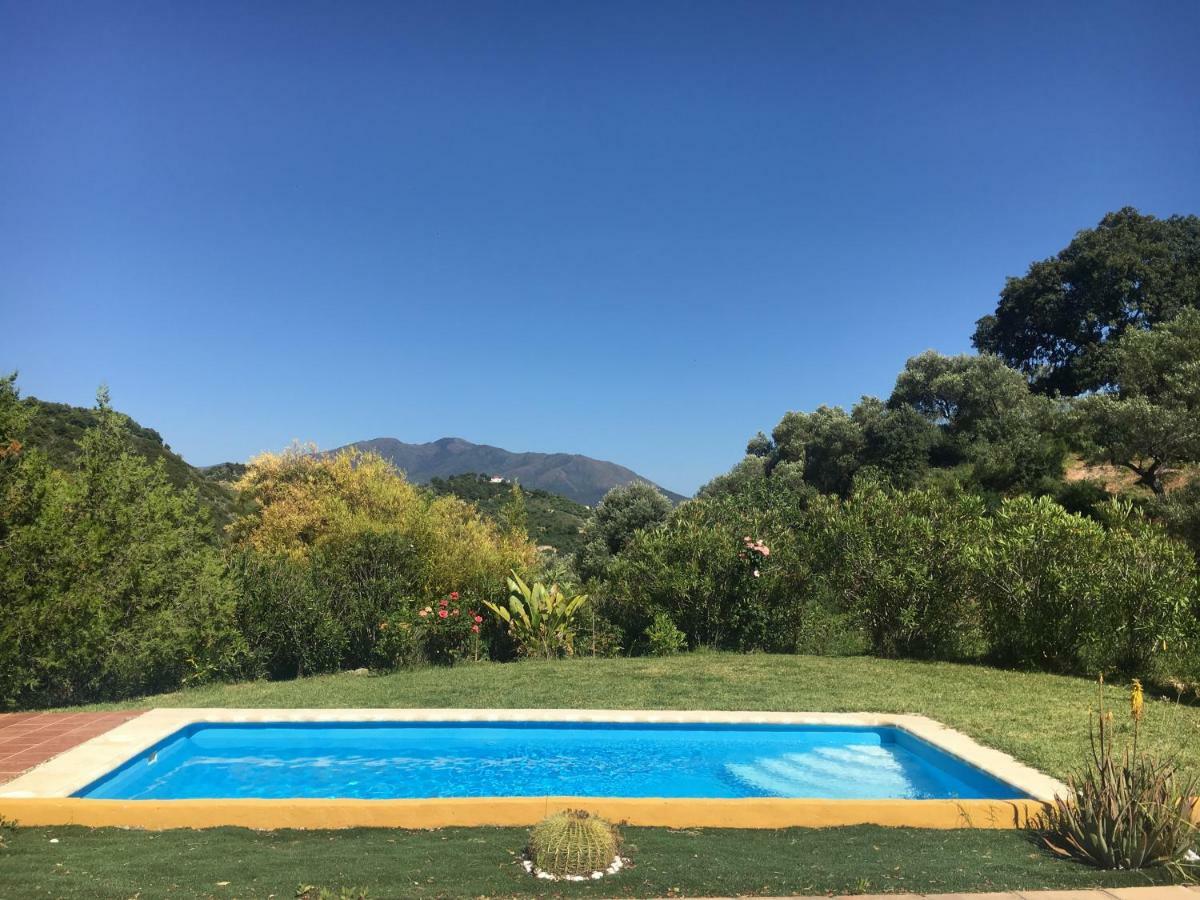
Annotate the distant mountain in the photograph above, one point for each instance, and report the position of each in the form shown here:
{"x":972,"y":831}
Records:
{"x":579,"y":478}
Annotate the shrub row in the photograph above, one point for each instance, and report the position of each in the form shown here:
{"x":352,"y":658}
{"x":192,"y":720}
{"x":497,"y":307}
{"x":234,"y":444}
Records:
{"x":927,"y":574}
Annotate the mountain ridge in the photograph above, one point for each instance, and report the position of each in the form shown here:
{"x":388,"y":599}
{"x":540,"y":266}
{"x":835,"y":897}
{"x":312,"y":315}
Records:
{"x":572,"y":475}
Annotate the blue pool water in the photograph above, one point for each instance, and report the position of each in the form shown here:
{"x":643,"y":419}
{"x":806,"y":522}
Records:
{"x":521,"y":759}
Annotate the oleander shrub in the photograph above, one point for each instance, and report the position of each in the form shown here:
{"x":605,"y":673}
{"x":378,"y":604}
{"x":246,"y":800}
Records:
{"x":729,"y":570}
{"x":1041,"y":582}
{"x":287,"y":620}
{"x":903,"y":565}
{"x":447,"y":630}
{"x":398,"y":644}
{"x":1151,"y":600}
{"x":1066,"y":593}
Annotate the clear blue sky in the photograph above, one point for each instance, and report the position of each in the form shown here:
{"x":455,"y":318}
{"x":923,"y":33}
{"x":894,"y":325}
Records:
{"x":640,"y":231}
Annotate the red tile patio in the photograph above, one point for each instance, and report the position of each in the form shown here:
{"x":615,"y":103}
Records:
{"x":28,"y":739}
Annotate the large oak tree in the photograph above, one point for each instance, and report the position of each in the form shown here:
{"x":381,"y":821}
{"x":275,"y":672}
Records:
{"x":1129,"y":272}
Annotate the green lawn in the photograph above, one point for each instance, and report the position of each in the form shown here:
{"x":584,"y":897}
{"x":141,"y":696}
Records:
{"x":483,"y":862}
{"x":1040,"y":719}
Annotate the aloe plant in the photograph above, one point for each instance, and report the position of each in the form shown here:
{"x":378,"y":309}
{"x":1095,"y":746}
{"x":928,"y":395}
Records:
{"x":1126,"y":811}
{"x":540,"y":619}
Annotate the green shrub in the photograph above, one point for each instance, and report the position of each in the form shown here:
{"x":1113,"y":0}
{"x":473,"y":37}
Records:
{"x":903,"y":565}
{"x":360,"y":577}
{"x":112,"y":585}
{"x":398,"y":643}
{"x":598,"y":634}
{"x":573,"y":843}
{"x":727,"y":571}
{"x":663,"y":638}
{"x":1041,"y":580}
{"x":1122,"y":812}
{"x":821,"y":629}
{"x":445,"y":629}
{"x":1064,"y":593}
{"x":1150,"y":603}
{"x":620,"y":514}
{"x":288,"y":621}
{"x":1180,"y":511}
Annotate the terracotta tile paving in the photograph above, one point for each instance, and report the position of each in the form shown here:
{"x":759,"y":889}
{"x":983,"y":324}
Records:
{"x":28,"y":739}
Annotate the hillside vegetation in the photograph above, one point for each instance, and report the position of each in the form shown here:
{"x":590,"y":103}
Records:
{"x":56,"y":428}
{"x":938,"y":523}
{"x":551,"y":520}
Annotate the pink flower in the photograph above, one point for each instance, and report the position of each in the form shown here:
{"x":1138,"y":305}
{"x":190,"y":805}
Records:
{"x":443,"y":603}
{"x":475,"y":628}
{"x":454,"y":595}
{"x":442,"y":613}
{"x":478,"y":619}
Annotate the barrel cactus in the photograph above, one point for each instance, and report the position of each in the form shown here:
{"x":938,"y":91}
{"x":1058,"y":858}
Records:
{"x":572,"y":843}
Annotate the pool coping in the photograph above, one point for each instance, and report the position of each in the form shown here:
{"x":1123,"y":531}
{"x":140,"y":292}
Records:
{"x":42,"y":796}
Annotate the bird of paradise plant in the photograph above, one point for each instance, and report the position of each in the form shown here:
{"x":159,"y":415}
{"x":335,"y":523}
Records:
{"x":540,"y":619}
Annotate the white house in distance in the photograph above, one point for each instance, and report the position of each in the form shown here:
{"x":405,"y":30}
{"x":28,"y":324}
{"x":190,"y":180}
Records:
{"x":498,"y":479}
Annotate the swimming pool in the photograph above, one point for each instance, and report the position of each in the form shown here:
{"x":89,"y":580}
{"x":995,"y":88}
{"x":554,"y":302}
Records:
{"x":392,"y":760}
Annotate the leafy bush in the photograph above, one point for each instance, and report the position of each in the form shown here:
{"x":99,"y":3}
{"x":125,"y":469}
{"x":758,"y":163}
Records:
{"x":1150,"y":602}
{"x":821,"y":629}
{"x":573,"y":843}
{"x":398,"y":645}
{"x":1180,"y":510}
{"x":111,"y":582}
{"x":663,"y":638}
{"x":619,"y":515}
{"x":1040,"y":581}
{"x":689,"y":569}
{"x":1127,"y":812}
{"x":288,"y":622}
{"x":706,"y":568}
{"x":598,"y":634}
{"x":903,"y":566}
{"x":541,"y":620}
{"x":357,"y":509}
{"x":1065,"y":593}
{"x":446,"y":628}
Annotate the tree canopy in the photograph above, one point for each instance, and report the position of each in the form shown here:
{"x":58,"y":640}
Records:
{"x":1129,"y":272}
{"x":1151,"y":421}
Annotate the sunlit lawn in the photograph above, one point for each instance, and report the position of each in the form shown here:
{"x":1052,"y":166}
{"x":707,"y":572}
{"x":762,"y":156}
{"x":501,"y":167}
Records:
{"x":482,"y":862}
